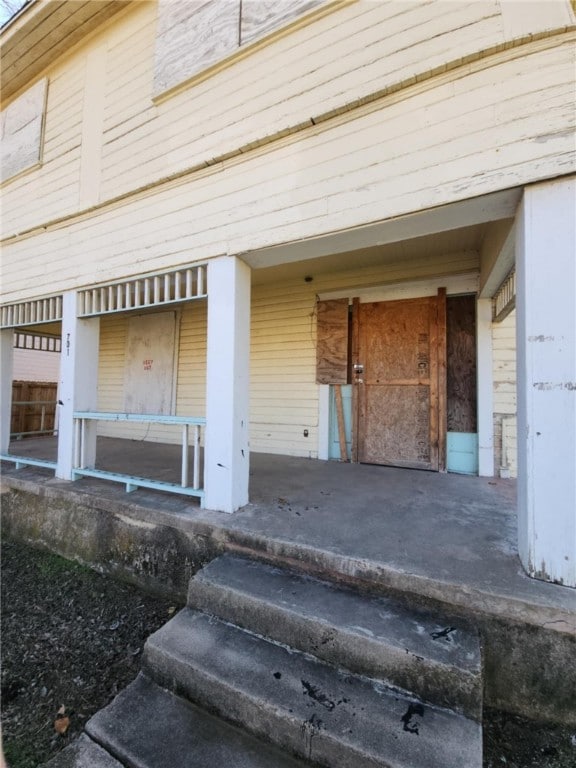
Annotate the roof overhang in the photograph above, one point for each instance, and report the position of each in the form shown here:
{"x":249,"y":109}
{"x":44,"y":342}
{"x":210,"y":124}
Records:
{"x":42,"y":31}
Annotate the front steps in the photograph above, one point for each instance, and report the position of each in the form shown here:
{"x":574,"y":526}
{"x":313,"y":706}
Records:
{"x":284,"y":662}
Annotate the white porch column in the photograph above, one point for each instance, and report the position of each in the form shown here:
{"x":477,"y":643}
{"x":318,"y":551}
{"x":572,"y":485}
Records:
{"x":226,"y":458}
{"x":6,"y":375}
{"x":485,"y":385}
{"x":78,"y":389}
{"x":546,"y":339}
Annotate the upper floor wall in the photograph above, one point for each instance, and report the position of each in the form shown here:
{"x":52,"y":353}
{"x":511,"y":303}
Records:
{"x":115,"y":123}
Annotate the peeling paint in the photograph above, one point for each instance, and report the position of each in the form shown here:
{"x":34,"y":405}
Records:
{"x":547,"y":386}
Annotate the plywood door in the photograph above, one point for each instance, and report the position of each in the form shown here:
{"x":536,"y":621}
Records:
{"x":396,"y":383}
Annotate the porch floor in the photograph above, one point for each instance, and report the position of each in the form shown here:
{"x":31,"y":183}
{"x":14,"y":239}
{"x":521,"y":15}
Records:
{"x":446,"y":537}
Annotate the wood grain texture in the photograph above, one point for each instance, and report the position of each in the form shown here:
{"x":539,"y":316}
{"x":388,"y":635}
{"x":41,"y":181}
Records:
{"x":341,"y":426}
{"x":461,"y":364}
{"x":442,"y":394}
{"x":259,"y":17}
{"x":21,"y":133}
{"x":398,"y":390}
{"x":332,"y":342}
{"x":193,"y":36}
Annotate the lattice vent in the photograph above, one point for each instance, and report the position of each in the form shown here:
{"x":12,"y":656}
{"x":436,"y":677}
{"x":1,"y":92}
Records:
{"x":31,"y":312}
{"x":168,"y":288}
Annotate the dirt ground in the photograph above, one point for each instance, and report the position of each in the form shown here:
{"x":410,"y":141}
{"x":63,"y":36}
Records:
{"x":72,"y":639}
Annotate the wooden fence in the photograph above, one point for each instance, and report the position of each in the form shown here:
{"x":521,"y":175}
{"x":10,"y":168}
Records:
{"x":33,"y":408}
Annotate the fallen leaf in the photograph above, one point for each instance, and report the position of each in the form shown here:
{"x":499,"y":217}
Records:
{"x":61,"y":724}
{"x":171,"y":610}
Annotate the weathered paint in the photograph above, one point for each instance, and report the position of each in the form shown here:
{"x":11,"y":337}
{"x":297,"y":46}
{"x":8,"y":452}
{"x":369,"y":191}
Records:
{"x":227,"y":453}
{"x":545,"y":246}
{"x":504,"y":394}
{"x":6,"y":376}
{"x":78,"y":385}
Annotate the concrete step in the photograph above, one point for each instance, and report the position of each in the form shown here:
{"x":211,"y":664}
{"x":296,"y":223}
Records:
{"x":373,"y":636}
{"x":307,"y":707}
{"x":149,"y":727}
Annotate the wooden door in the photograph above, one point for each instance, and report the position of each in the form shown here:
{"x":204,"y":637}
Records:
{"x":399,"y":350}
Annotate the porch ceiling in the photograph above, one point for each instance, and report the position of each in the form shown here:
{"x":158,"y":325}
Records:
{"x":446,"y":229}
{"x":465,"y":239}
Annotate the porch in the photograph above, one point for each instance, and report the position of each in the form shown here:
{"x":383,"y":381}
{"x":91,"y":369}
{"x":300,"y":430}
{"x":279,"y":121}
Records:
{"x":443,"y":541}
{"x":445,"y":536}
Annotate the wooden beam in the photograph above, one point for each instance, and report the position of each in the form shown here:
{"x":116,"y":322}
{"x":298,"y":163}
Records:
{"x":341,"y":425}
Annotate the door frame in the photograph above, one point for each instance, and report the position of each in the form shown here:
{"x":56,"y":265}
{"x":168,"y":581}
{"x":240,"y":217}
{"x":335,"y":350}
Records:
{"x":437,"y":386}
{"x":455,"y":284}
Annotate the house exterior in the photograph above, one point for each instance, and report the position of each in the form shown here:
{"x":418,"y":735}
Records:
{"x":314,"y":228}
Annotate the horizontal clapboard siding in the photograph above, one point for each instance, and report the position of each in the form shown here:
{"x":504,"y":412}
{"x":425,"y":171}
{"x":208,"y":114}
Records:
{"x":285,"y":84}
{"x":504,"y":372}
{"x":283,"y":389}
{"x":385,"y":163}
{"x":51,"y":190}
{"x":278,"y":89}
{"x":36,"y":365}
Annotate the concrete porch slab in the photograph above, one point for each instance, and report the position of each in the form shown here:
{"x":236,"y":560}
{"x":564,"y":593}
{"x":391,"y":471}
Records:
{"x":444,"y":542}
{"x":449,"y":537}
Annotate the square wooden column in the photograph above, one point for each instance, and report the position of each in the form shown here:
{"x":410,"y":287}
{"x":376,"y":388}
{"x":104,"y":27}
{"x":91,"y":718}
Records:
{"x":227,"y":458}
{"x":6,"y":375}
{"x":546,"y":339}
{"x":78,"y":390}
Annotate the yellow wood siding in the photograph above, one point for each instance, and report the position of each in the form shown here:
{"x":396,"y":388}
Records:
{"x":52,"y":189}
{"x":386,"y":162}
{"x":283,"y":389}
{"x":504,"y":367}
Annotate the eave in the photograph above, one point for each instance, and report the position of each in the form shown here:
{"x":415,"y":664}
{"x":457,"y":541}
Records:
{"x":42,"y":31}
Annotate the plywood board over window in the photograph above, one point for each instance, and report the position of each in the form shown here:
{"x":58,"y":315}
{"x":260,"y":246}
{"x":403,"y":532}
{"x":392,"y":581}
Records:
{"x":259,"y":17}
{"x":461,"y":355}
{"x":149,"y":372}
{"x":22,"y":124}
{"x":332,"y":342}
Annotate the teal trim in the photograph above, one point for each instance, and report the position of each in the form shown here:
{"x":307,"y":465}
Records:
{"x":462,"y":453}
{"x":147,"y":417}
{"x":334,"y":442}
{"x":133,"y":483}
{"x":24,"y":461}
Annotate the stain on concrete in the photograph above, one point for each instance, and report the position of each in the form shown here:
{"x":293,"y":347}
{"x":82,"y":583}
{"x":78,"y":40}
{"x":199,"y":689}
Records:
{"x":409,"y":725}
{"x":317,"y":695}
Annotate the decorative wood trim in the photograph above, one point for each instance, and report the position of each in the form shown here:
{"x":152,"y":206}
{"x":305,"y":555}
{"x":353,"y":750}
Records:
{"x":144,"y":292}
{"x":32,"y":312}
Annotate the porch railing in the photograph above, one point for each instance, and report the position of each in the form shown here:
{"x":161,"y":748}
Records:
{"x":191,"y":438}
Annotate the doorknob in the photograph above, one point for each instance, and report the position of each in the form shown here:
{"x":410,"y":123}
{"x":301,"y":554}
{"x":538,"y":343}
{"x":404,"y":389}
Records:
{"x":358,"y":369}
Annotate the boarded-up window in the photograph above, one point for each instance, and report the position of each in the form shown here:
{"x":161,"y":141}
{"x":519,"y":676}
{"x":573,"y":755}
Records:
{"x":259,"y":17}
{"x":21,"y":133}
{"x":332,"y":342}
{"x":193,"y":35}
{"x":149,"y":373}
{"x":461,"y":363}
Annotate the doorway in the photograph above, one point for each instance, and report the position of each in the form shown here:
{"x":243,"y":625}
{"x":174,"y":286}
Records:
{"x":399,"y":382}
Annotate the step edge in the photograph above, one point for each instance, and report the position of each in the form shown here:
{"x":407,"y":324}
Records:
{"x":383,"y":656}
{"x":202,"y":688}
